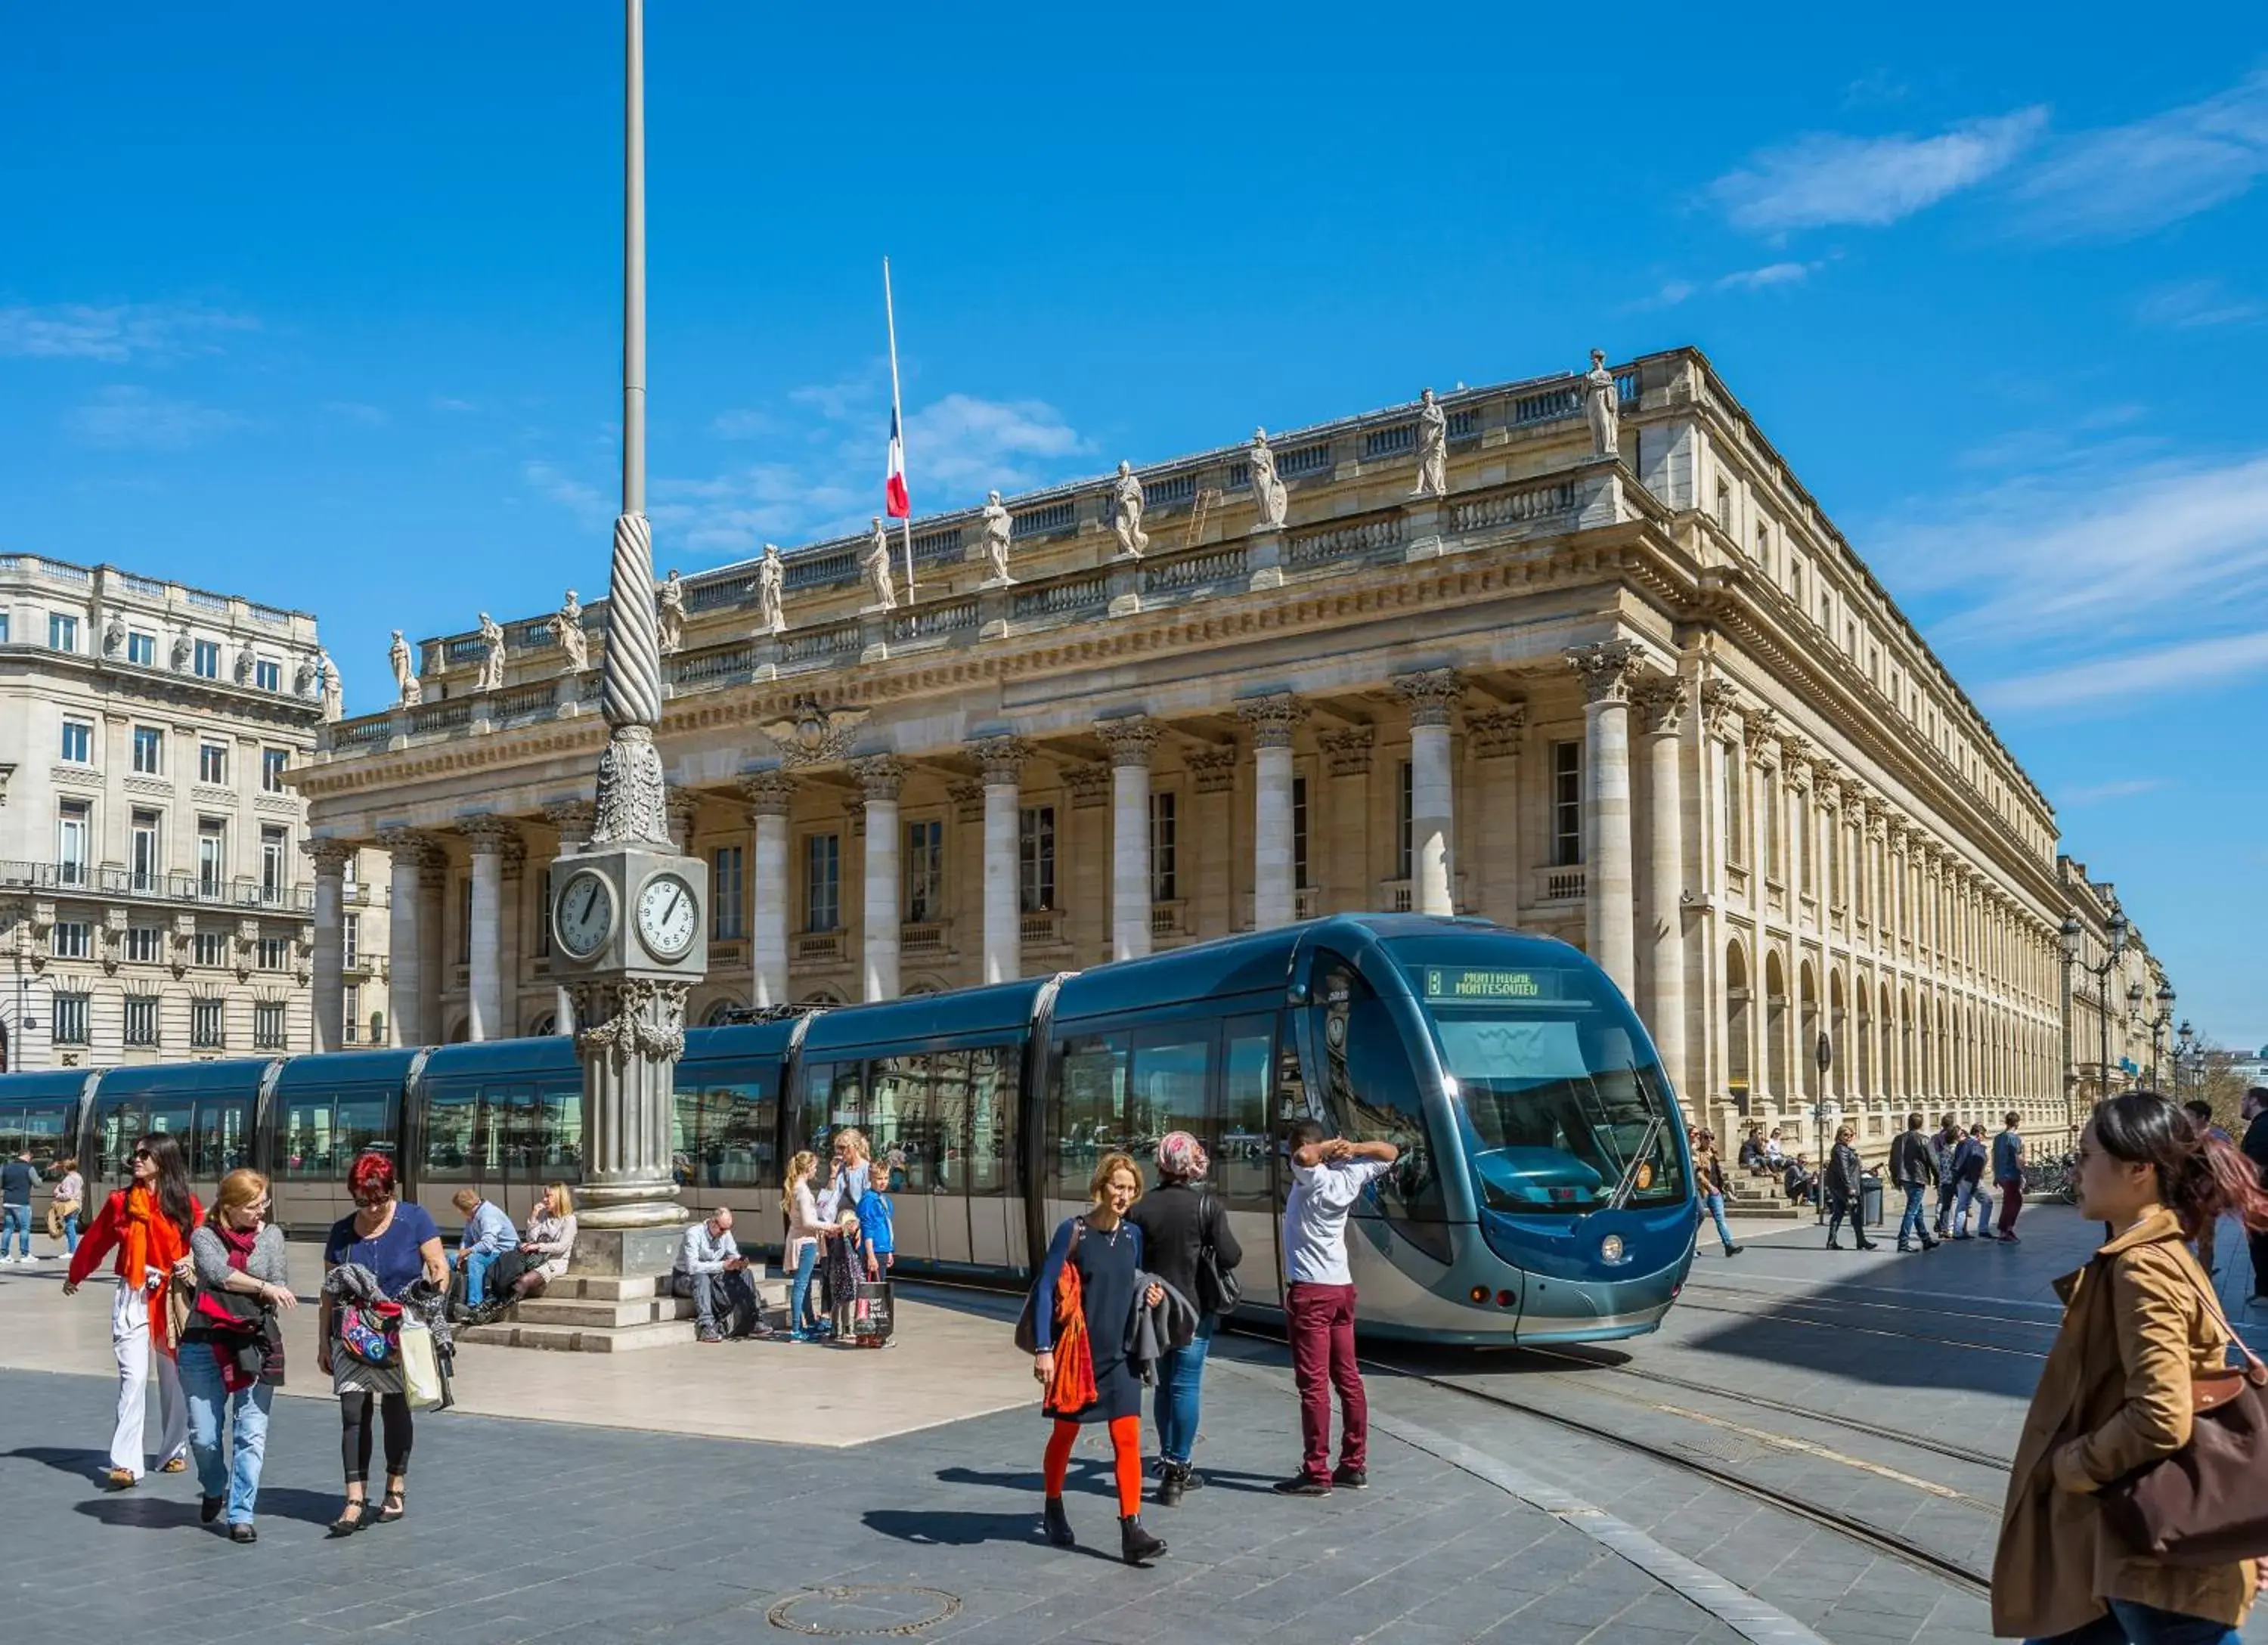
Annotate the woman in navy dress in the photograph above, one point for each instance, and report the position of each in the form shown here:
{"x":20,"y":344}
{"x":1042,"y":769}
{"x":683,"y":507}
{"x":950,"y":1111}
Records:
{"x":1100,"y":1257}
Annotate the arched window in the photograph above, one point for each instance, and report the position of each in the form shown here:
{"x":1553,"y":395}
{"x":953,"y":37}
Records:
{"x":1737,"y":1078}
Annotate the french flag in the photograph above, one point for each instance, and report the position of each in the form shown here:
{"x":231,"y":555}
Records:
{"x":894,"y":488}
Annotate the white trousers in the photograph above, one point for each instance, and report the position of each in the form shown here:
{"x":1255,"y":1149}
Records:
{"x":129,"y":1341}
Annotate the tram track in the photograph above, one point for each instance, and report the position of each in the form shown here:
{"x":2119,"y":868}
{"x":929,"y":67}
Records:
{"x":1770,"y":1314}
{"x":1889,"y":1543}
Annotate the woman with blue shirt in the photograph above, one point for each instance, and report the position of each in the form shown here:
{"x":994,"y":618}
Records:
{"x":400,"y":1245}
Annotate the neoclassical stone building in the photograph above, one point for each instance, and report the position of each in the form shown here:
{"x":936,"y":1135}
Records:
{"x":1578,"y":653}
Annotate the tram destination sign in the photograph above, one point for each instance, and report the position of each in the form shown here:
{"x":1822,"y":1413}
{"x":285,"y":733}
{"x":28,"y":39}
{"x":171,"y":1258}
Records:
{"x":1478,"y":985}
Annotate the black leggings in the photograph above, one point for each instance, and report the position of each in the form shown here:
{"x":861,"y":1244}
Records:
{"x":354,"y":1434}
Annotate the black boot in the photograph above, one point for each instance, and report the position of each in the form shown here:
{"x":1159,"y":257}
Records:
{"x":1058,"y":1523}
{"x":1173,"y":1478}
{"x":1834,"y":1245}
{"x":1136,"y":1545}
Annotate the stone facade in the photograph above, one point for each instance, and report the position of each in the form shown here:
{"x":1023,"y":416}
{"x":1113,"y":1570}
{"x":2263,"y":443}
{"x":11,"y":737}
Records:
{"x":1644,"y":698}
{"x":155,"y":904}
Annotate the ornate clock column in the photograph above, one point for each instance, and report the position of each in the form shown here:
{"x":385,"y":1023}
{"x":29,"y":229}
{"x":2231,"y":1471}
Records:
{"x":630,"y":913}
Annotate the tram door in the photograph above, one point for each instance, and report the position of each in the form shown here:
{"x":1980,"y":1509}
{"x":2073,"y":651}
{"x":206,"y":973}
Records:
{"x":1246,"y":1152}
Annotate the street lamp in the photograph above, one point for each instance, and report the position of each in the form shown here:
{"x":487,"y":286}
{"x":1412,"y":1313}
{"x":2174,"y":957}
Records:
{"x":2158,"y":1026}
{"x":2115,"y":929}
{"x":2183,"y":1040}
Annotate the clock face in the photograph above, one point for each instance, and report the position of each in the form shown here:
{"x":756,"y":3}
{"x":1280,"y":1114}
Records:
{"x":667,"y":917}
{"x":584,"y":916}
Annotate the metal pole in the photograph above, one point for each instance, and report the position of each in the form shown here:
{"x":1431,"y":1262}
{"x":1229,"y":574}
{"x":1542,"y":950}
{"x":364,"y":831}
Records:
{"x":634,"y":263}
{"x":2070,"y":1069}
{"x":898,"y":417}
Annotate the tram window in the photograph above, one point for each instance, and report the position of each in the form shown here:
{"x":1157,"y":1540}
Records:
{"x":117,"y":1127}
{"x":830,"y":1102}
{"x":724,"y":1135}
{"x":1091,"y":1116}
{"x":1371,"y":1092}
{"x":364,"y":1122}
{"x":559,"y":1120}
{"x":223,"y":1144}
{"x":308,"y":1146}
{"x":449,"y":1135}
{"x":897,"y":1116}
{"x":1171,"y":1068}
{"x":991,"y":1128}
{"x":951,"y":1092}
{"x":175,"y":1117}
{"x":1240,"y":1155}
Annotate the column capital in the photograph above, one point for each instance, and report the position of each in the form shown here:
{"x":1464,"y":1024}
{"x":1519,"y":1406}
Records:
{"x":1720,"y":705}
{"x":1212,"y":770}
{"x":1002,"y":755}
{"x":880,"y":775}
{"x":682,"y":805}
{"x":1496,"y":733}
{"x":1346,"y":753}
{"x":1609,"y":668}
{"x":1133,"y":738}
{"x":330,"y":856}
{"x":1760,"y":734}
{"x":489,"y":835}
{"x":1661,"y":699}
{"x":405,"y":843}
{"x":1089,"y":785}
{"x":1432,"y":694}
{"x":967,"y":798}
{"x":1272,"y":719}
{"x":768,"y":792}
{"x":573,"y":818}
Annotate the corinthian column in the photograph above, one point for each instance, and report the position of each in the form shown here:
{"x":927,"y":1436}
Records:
{"x":490,"y":838}
{"x":404,"y":946}
{"x":880,"y":775}
{"x":1663,"y":699}
{"x":1273,"y":720}
{"x":328,"y":960}
{"x":769,"y":794}
{"x":1432,"y":697}
{"x":1606,"y":668}
{"x":1002,"y":759}
{"x":1133,"y":738}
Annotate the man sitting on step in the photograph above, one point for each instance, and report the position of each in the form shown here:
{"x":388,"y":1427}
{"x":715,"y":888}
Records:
{"x":712,"y":1271}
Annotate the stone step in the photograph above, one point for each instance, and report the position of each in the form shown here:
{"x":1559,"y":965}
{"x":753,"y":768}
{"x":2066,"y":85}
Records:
{"x":588,"y":1311}
{"x":582,"y":1339}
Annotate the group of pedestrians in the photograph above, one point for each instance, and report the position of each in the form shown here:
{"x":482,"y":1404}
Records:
{"x":19,"y":1187}
{"x":1131,"y":1291}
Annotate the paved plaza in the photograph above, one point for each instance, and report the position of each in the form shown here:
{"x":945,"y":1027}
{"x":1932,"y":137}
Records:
{"x":754,"y":1490}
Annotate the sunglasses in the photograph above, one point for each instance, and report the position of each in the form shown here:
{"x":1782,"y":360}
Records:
{"x":144,"y":1154}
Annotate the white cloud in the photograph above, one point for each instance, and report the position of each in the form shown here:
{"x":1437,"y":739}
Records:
{"x":2128,"y":179}
{"x":963,"y":445}
{"x":2153,"y":674}
{"x":1825,"y":178}
{"x":1770,"y":274}
{"x":589,"y":504}
{"x":126,"y":418}
{"x":2094,"y":793}
{"x":116,"y":332}
{"x":2196,"y":304}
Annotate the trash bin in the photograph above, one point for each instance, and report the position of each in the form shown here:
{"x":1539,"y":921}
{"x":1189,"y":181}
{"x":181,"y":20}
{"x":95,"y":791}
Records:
{"x":1870,"y":1200}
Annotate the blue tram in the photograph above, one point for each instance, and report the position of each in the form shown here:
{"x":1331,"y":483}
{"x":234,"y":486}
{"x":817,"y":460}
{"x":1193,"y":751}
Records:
{"x":1544,"y":1194}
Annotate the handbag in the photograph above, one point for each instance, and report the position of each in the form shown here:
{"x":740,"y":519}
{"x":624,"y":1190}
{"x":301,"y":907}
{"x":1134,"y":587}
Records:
{"x":871,"y":1313}
{"x":371,"y":1333}
{"x":1218,"y":1291}
{"x":2207,"y":1503}
{"x":421,"y":1370}
{"x":179,"y":1300}
{"x":1028,"y":1336}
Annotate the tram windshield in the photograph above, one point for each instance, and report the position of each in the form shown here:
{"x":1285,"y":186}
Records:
{"x":1564,"y":1103}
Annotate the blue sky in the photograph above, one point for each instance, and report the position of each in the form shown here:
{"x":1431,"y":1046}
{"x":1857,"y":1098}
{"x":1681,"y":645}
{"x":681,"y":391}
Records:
{"x":322,"y":305}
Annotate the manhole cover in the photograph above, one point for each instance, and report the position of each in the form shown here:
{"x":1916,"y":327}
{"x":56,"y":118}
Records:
{"x":885,"y":1611}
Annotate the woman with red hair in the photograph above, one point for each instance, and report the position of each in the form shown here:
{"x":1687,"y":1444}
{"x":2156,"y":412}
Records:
{"x":397,"y":1246}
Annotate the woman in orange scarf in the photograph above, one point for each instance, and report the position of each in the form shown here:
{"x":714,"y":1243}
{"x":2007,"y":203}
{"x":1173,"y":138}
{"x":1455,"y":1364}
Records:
{"x":1086,"y":1294}
{"x":148,"y":1224}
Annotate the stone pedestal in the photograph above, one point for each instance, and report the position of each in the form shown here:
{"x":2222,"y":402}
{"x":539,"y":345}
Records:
{"x":1421,"y":534}
{"x":1126,"y":586}
{"x":1263,"y":558}
{"x":625,"y":1253}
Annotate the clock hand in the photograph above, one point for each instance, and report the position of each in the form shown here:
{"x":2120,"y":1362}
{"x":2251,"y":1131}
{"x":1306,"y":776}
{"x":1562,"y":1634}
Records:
{"x":677,"y":897}
{"x":590,"y":898}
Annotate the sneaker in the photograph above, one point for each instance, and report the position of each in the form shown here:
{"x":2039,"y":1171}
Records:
{"x":175,"y":1464}
{"x":2010,"y":1239}
{"x":712,"y":1335}
{"x":1301,"y":1485}
{"x":1352,"y":1479}
{"x":1733,"y":1250}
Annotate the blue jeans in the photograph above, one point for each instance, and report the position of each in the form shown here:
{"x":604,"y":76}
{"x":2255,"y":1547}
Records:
{"x":1181,"y":1379}
{"x":476,"y":1265}
{"x":1716,"y":1204}
{"x":1912,"y":1226}
{"x":234,"y":1473}
{"x":16,"y":1220}
{"x":2132,"y":1623}
{"x":800,"y":1315}
{"x":70,"y":1235}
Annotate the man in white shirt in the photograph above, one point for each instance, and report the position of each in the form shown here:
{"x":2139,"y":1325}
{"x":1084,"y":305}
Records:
{"x":1329,"y":1176}
{"x":710,"y":1270}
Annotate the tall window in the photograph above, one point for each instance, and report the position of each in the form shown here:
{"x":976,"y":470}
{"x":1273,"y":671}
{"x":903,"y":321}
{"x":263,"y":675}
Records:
{"x":267,"y":675}
{"x":1734,"y":784}
{"x":209,"y":947}
{"x":823,"y":881}
{"x":212,"y":855}
{"x":69,"y":939}
{"x":79,"y":742}
{"x":206,"y":659}
{"x":212,"y":762}
{"x":63,"y":632}
{"x":208,"y":1024}
{"x":1405,"y":793}
{"x":1035,"y":859}
{"x":274,"y":953}
{"x":272,"y":764}
{"x":353,"y":1002}
{"x":1299,"y":833}
{"x":1566,"y":804}
{"x":74,"y":827}
{"x":465,"y":921}
{"x":267,"y":1025}
{"x":727,"y":921}
{"x":542,"y":915}
{"x":1163,"y":879}
{"x":71,"y":1019}
{"x":141,"y":1020}
{"x":149,"y":750}
{"x":1775,"y":846}
{"x":146,"y":944}
{"x":142,"y":649}
{"x":275,"y":862}
{"x":925,"y":871}
{"x":142,"y":848}
{"x":351,"y":928}
{"x":3,"y":640}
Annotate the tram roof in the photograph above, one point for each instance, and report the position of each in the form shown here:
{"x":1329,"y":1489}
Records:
{"x":46,"y":1086}
{"x":1002,"y":1008}
{"x":234,"y":1074}
{"x":741,"y":1041}
{"x":347,"y":1067}
{"x":543,"y":1053}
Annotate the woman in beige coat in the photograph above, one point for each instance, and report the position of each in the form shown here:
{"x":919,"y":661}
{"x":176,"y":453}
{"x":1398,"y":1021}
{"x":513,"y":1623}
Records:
{"x":2139,"y":1322}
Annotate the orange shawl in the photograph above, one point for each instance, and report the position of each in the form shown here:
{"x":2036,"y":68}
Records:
{"x":1071,"y":1388}
{"x":148,"y":1239}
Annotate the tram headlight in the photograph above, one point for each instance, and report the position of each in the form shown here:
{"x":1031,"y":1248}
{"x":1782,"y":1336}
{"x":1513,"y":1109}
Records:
{"x":1611,"y":1249}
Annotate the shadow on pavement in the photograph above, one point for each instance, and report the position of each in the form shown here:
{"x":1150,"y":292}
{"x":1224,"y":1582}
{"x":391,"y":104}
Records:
{"x":84,"y":1461}
{"x":956,"y":1528}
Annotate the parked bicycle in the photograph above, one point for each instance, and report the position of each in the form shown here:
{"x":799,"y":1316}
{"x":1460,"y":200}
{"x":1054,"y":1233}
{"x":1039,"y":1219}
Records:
{"x":2055,"y":1174}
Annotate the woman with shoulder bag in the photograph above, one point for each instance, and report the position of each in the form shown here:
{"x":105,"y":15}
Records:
{"x":232,"y":1354}
{"x":65,"y":1203}
{"x":385,"y":1247}
{"x":148,"y":1223}
{"x":1186,"y":1241}
{"x":2140,"y":1323}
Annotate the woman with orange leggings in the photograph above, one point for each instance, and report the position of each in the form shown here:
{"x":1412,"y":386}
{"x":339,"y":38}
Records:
{"x":1085,"y":1300}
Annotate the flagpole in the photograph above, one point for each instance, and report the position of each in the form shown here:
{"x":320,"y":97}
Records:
{"x":898,"y":415}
